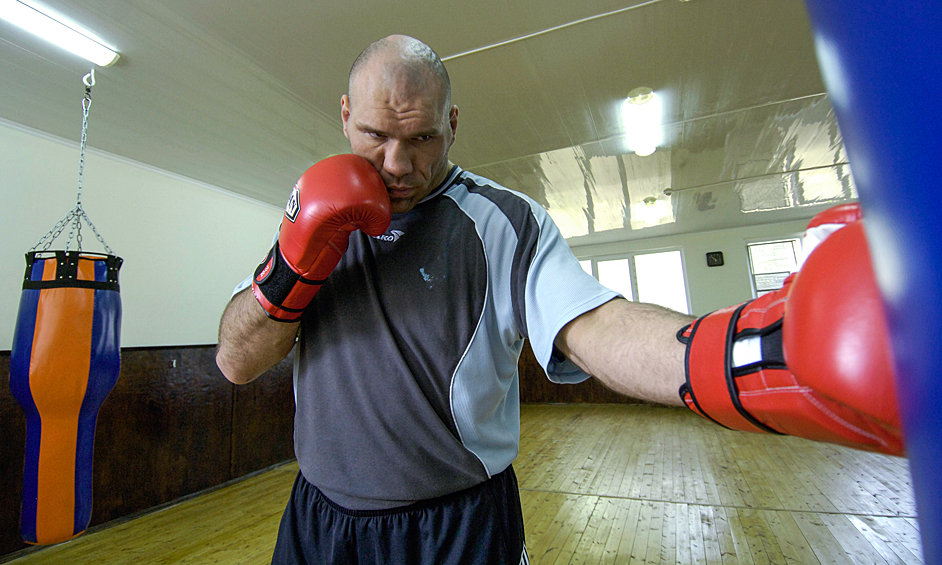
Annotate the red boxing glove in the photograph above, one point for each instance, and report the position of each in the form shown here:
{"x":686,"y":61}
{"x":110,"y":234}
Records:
{"x":332,"y":198}
{"x":826,"y":223}
{"x":811,"y":360}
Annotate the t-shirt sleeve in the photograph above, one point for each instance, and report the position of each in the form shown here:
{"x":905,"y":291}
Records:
{"x":558,"y":290}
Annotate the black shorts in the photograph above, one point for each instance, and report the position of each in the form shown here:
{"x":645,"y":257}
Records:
{"x":481,"y":525}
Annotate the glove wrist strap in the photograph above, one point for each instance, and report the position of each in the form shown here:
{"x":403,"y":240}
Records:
{"x":282,"y":292}
{"x":711,"y":389}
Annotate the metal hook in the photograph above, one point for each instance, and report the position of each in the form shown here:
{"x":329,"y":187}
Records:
{"x":86,"y":77}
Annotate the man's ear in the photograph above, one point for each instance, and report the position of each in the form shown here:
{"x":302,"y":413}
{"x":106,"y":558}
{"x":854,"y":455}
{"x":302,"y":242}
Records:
{"x":345,"y":113}
{"x":453,"y":122}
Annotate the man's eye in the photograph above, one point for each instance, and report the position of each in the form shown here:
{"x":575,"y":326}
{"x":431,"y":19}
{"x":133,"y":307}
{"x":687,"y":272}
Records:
{"x":375,"y":135}
{"x":423,"y":138}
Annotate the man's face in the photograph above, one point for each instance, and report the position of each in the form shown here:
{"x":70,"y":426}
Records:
{"x":404,"y":132}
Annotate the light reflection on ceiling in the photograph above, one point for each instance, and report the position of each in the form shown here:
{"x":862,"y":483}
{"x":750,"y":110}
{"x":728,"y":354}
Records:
{"x":611,"y":189}
{"x":760,"y":165}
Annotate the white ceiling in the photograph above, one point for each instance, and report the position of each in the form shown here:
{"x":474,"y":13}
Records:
{"x":246,"y":95}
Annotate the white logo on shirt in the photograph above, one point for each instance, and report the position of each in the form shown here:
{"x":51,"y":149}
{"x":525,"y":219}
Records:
{"x":390,"y":236}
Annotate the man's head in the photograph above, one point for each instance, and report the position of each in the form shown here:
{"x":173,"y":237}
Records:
{"x":398,"y":115}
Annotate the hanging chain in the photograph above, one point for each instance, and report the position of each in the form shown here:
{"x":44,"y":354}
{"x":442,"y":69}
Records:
{"x":77,"y":214}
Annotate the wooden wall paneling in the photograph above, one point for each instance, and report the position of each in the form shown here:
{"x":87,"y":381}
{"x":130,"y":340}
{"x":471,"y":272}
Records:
{"x":164,"y":432}
{"x":12,"y":442}
{"x":263,"y":420}
{"x":535,"y":387}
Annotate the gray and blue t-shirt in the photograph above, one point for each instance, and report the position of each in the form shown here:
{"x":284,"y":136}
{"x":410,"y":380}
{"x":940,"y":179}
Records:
{"x":406,"y":381}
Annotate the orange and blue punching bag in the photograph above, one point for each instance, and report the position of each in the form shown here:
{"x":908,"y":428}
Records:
{"x":65,"y":360}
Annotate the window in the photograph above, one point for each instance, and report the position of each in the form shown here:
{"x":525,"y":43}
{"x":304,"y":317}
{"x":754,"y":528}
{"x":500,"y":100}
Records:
{"x":771,"y":262}
{"x":661,"y":280}
{"x":616,"y":275}
{"x":656,"y":278}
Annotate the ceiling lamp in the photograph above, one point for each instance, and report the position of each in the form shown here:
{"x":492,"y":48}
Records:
{"x":641,"y":118}
{"x":58,"y":30}
{"x":651,"y":211}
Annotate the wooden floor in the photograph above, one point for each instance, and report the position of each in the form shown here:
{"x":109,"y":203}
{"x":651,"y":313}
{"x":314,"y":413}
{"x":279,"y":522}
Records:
{"x":601,"y":484}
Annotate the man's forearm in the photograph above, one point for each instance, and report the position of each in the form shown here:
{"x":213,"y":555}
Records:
{"x":631,"y":347}
{"x":250,"y":342}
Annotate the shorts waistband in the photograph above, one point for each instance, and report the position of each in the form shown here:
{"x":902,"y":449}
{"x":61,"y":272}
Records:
{"x":505,"y":475}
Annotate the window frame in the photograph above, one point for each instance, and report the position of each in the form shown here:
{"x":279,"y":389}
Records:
{"x":633,"y":275}
{"x":762,"y":241}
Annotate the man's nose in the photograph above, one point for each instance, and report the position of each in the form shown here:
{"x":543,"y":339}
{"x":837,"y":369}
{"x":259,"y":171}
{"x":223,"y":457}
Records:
{"x":397,"y":160}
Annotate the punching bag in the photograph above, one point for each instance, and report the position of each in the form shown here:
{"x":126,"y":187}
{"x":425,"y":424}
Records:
{"x":64,"y":362}
{"x":882,"y":63}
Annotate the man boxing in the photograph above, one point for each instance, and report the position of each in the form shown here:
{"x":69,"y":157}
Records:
{"x":410,"y":285}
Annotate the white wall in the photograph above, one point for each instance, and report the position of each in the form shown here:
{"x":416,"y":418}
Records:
{"x":185,"y":245}
{"x":709,"y":288}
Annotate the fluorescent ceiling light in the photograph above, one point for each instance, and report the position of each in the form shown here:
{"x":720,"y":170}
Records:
{"x":641,"y":118}
{"x":58,"y":30}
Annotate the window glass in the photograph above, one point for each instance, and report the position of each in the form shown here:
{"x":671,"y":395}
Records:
{"x":661,"y":280}
{"x":616,"y":275}
{"x":771,"y":262}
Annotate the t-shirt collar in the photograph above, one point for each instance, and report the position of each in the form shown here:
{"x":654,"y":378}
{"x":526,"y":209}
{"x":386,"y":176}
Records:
{"x":445,"y":185}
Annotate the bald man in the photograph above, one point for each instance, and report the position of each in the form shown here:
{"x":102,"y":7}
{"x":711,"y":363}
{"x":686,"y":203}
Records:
{"x":407,"y":407}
